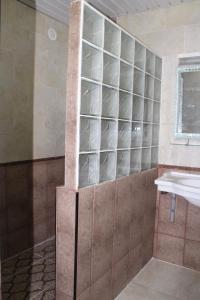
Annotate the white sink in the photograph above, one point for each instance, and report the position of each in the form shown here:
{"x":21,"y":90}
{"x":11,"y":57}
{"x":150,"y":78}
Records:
{"x":186,"y":185}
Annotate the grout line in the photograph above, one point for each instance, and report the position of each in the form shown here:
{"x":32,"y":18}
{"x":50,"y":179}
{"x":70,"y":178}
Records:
{"x":178,"y":266}
{"x":186,"y":221}
{"x":29,"y":249}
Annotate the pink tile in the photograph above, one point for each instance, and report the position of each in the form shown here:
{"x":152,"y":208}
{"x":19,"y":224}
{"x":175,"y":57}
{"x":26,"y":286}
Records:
{"x":65,"y":241}
{"x":83,"y":272}
{"x":102,"y":288}
{"x":192,"y":255}
{"x":85,"y":223}
{"x":104,"y":211}
{"x":170,"y":249}
{"x":101,"y":258}
{"x":193,"y":223}
{"x":135,"y":261}
{"x":120,"y":275}
{"x":55,"y":171}
{"x":121,"y":243}
{"x":86,"y":295}
{"x":124,"y":202}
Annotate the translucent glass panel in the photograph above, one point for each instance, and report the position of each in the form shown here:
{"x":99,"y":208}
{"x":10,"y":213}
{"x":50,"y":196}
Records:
{"x":157,"y":89}
{"x":112,"y":39}
{"x":137,"y":109}
{"x":126,"y":77}
{"x":111,"y":70}
{"x":135,"y":161}
{"x":149,"y":87}
{"x":158,"y":67}
{"x":88,"y":169}
{"x":90,"y":98}
{"x":123,"y":163}
{"x":150,"y":62}
{"x":146,"y":159}
{"x":127,"y":47}
{"x":136,"y":134}
{"x":155,"y":135}
{"x":91,"y":63}
{"x":156,"y":112}
{"x":148,"y":110}
{"x":138,"y":87}
{"x":108,"y":134}
{"x":93,"y":27}
{"x":154,"y":157}
{"x":120,"y":102}
{"x":107,"y":166}
{"x":110,"y":99}
{"x":125,"y":105}
{"x":147,"y":135}
{"x":140,"y":54}
{"x":90,"y":129}
{"x":124,"y":134}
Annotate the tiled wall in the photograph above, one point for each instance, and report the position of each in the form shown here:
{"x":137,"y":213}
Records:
{"x":32,"y":84}
{"x":114,"y":234}
{"x":169,"y":31}
{"x":27,"y":203}
{"x":177,"y":242}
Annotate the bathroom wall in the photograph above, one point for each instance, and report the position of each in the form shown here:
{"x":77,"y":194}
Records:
{"x":169,"y":32}
{"x":177,"y":242}
{"x":33,"y":84}
{"x":32,"y":124}
{"x":104,"y":236}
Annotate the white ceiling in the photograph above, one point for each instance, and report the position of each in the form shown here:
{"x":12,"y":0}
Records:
{"x":59,"y":9}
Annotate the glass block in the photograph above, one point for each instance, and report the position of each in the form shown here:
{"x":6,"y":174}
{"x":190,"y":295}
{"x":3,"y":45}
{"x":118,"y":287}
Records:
{"x":149,"y":87}
{"x":124,"y":134}
{"x":110,"y":99}
{"x":140,"y":54}
{"x":148,"y":110}
{"x":126,"y":77}
{"x":158,"y":67}
{"x":138,"y":107}
{"x":90,"y":98}
{"x":156,"y":112}
{"x":154,"y":157}
{"x":147,"y":135}
{"x":146,"y":158}
{"x":123,"y":163}
{"x":136,"y":134}
{"x":157,"y":89}
{"x":135,"y":165}
{"x":108,"y":134}
{"x":89,"y":134}
{"x":127,"y":47}
{"x":93,"y":27}
{"x":91,"y":63}
{"x":155,"y":135}
{"x":111,"y":70}
{"x":112,"y":38}
{"x":88,"y":169}
{"x":138,"y":86}
{"x":150,"y":62}
{"x":125,"y":105}
{"x":108,"y":162}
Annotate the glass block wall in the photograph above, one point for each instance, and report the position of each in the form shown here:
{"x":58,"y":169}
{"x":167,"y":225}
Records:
{"x":119,"y":102}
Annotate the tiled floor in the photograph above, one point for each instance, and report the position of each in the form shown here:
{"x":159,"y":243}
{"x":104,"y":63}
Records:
{"x":31,"y":274}
{"x":163,"y":281}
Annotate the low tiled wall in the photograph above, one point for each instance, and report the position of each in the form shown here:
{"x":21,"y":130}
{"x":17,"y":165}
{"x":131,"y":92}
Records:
{"x":104,"y":236}
{"x":27,"y":203}
{"x":177,"y":242}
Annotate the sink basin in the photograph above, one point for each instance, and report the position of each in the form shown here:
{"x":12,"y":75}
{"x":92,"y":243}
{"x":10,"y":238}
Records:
{"x":186,"y":185}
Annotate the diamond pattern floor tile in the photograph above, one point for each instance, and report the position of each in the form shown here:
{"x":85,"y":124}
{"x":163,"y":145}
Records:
{"x":31,"y":274}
